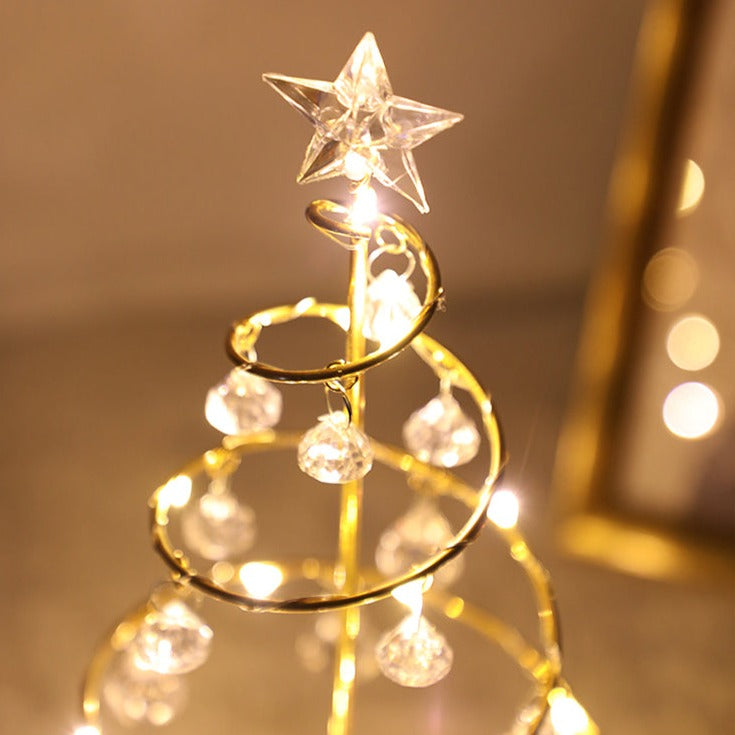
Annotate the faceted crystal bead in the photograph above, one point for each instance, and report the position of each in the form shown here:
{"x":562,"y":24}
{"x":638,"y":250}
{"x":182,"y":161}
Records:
{"x":390,"y":307}
{"x":441,"y":433}
{"x":218,"y":526}
{"x":172,"y":640}
{"x":135,"y":695}
{"x":413,"y":538}
{"x":414,"y":654}
{"x":243,"y":403}
{"x":335,"y":451}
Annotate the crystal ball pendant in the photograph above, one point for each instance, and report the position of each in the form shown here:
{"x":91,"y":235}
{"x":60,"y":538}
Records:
{"x":135,"y":695}
{"x":390,"y":308}
{"x":172,"y":640}
{"x":243,"y":403}
{"x":334,"y":451}
{"x":217,"y":526}
{"x":414,"y":653}
{"x":441,"y":433}
{"x":420,"y":532}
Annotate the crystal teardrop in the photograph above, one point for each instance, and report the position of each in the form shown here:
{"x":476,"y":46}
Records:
{"x":334,"y":451}
{"x":243,"y":403}
{"x":441,"y":433}
{"x":390,"y":308}
{"x":172,"y":640}
{"x":414,"y":653}
{"x":217,"y":526}
{"x":136,"y":695}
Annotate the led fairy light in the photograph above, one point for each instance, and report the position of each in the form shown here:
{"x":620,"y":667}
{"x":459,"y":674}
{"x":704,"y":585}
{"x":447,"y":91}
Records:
{"x":367,"y":134}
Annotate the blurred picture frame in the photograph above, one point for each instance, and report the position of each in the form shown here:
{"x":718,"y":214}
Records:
{"x":645,"y":472}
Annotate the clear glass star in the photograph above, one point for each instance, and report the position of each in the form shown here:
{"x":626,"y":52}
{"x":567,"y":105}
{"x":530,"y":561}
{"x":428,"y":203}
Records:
{"x":362,"y":128}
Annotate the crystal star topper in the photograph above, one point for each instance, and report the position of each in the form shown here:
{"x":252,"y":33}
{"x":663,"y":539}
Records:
{"x":362,"y":129}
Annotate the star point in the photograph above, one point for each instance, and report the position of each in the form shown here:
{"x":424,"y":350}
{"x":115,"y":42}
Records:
{"x":361,"y":127}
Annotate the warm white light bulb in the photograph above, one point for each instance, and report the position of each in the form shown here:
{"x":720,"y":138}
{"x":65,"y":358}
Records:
{"x":568,"y":717}
{"x":411,"y":595}
{"x":365,"y":207}
{"x":260,"y":579}
{"x":176,"y":492}
{"x":503,"y":509}
{"x":355,"y":166}
{"x":691,"y":410}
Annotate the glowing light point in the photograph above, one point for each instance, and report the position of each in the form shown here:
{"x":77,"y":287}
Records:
{"x":176,"y":492}
{"x":568,"y":717}
{"x":260,"y":579}
{"x":692,"y":188}
{"x":503,"y":509}
{"x":364,"y":209}
{"x":693,"y":342}
{"x":691,"y":410}
{"x":356,"y":167}
{"x":669,"y":279}
{"x":411,"y":595}
{"x":87,"y":730}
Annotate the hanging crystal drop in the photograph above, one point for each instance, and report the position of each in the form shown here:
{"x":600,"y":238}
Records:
{"x":418,"y":534}
{"x":172,"y":640}
{"x":243,"y":403}
{"x":414,"y":653}
{"x":218,"y":526}
{"x":135,"y":695}
{"x":335,"y":451}
{"x":390,"y":308}
{"x":441,"y":433}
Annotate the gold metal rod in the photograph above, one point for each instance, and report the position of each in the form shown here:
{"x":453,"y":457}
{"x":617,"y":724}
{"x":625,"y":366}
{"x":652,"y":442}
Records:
{"x":347,"y":571}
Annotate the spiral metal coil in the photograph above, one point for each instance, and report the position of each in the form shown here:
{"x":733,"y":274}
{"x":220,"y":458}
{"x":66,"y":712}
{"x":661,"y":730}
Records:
{"x":365,"y":585}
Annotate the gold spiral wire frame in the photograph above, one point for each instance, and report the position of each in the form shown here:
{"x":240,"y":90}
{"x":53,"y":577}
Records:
{"x":540,"y":668}
{"x":244,"y":334}
{"x":543,"y":666}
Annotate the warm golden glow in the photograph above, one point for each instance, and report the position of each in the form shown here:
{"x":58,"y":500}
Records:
{"x":692,"y":188}
{"x":693,"y":342}
{"x":87,"y":730}
{"x":365,"y":207}
{"x":176,"y":492}
{"x":222,"y":572}
{"x":340,"y":702}
{"x":356,"y":166}
{"x":503,"y":509}
{"x":347,"y":669}
{"x":691,"y":410}
{"x":669,"y":279}
{"x":568,"y":717}
{"x":260,"y":579}
{"x":411,"y":595}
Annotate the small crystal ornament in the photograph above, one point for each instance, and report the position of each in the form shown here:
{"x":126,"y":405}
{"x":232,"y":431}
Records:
{"x":391,"y":306}
{"x":172,"y":640}
{"x":414,"y":653}
{"x":138,"y":696}
{"x":217,"y":526}
{"x":413,"y":538}
{"x":334,"y":451}
{"x":243,"y":403}
{"x":441,"y":433}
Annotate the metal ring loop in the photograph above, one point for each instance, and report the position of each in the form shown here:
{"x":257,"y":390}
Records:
{"x":410,"y":267}
{"x":334,"y":386}
{"x":244,"y":334}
